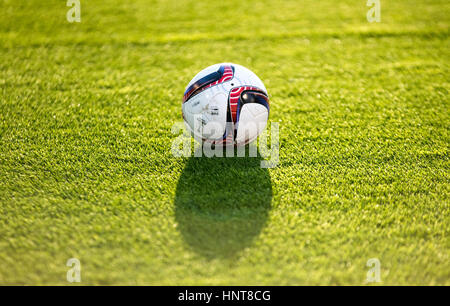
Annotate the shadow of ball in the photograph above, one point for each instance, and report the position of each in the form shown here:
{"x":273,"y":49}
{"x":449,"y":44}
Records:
{"x":222,"y":204}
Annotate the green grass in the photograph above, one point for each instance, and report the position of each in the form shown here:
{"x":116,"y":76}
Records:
{"x":86,"y":170}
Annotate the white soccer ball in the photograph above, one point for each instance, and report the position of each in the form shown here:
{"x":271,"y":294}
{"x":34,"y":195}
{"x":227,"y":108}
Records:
{"x":226,"y":104}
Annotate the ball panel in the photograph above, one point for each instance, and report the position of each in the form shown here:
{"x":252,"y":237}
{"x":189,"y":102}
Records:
{"x":252,"y":121}
{"x":245,"y":77}
{"x":206,"y":114}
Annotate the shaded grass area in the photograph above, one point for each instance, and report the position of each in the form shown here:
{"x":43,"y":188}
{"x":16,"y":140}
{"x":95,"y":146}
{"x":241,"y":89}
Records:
{"x":222,"y":204}
{"x":86,"y":171}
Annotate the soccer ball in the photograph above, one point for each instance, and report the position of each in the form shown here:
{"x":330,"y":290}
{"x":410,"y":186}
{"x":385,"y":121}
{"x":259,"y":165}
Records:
{"x":225,"y":104}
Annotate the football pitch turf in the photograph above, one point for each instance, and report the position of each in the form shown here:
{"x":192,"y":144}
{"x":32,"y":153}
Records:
{"x":86,"y":169}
